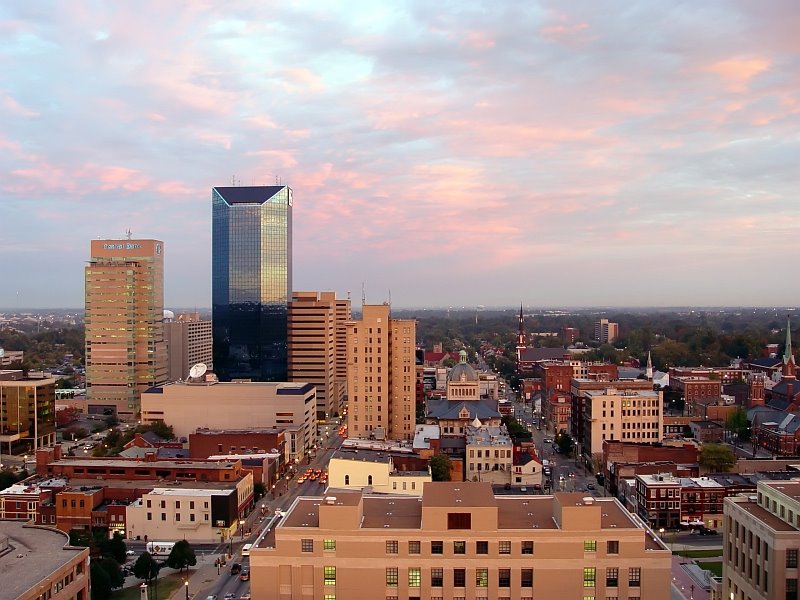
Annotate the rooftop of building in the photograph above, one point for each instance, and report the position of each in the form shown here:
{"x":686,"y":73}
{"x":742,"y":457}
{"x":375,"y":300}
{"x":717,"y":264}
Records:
{"x":621,"y":391}
{"x":240,"y":431}
{"x":32,"y":552}
{"x":787,"y":488}
{"x":423,"y":434}
{"x":706,"y":424}
{"x":34,"y":486}
{"x":134,"y":463}
{"x":193,"y":491}
{"x":486,"y":435}
{"x":763,"y":515}
{"x":248,"y":194}
{"x":451,"y":409}
{"x":282,"y":388}
{"x":660,"y":479}
{"x":149,"y":484}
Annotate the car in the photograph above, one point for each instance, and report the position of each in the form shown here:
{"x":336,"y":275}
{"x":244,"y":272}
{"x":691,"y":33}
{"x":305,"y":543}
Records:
{"x":245,"y":575}
{"x":211,"y":597}
{"x":706,"y":531}
{"x":589,"y":486}
{"x":236,"y":569}
{"x":245,"y":596}
{"x":130,"y":553}
{"x":548,"y":440}
{"x":230,"y":596}
{"x":571,"y":474}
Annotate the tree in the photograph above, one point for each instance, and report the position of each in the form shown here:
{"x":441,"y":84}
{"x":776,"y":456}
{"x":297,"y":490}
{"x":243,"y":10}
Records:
{"x":115,"y":548}
{"x":115,"y":577}
{"x":182,"y":556}
{"x":259,"y":490}
{"x":440,"y":467}
{"x":66,"y":416}
{"x":145,"y":567}
{"x":737,"y":423}
{"x":564,"y":441}
{"x":101,"y":581}
{"x":716,"y":458}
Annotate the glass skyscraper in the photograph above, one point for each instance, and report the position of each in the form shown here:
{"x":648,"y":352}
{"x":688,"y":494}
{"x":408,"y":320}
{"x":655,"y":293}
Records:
{"x":251,"y":250}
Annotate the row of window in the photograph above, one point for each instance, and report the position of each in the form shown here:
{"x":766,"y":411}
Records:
{"x":460,"y":547}
{"x":482,"y":577}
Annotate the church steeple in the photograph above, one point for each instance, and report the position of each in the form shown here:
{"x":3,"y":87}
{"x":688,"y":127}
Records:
{"x":521,"y":333}
{"x":649,"y":366}
{"x":789,"y":366}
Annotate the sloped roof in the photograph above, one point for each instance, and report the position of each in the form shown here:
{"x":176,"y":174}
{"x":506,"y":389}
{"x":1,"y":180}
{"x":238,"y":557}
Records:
{"x":450,"y":409}
{"x":248,"y":194}
{"x":534,"y":354}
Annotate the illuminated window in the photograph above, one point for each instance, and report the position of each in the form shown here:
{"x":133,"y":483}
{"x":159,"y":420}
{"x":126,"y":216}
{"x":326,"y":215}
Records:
{"x":589,"y":576}
{"x":329,"y":545}
{"x":414,"y":577}
{"x":590,"y":546}
{"x":330,"y":575}
{"x":391,"y":576}
{"x":482,"y":577}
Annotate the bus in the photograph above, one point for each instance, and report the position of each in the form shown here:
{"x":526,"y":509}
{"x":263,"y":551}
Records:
{"x":246,"y":549}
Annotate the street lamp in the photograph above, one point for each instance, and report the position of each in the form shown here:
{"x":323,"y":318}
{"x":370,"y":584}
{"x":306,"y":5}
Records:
{"x":241,"y":527}
{"x":186,"y":587}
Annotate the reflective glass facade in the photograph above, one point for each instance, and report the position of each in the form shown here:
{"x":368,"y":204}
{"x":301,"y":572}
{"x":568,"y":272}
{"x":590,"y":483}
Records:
{"x":251,"y":281}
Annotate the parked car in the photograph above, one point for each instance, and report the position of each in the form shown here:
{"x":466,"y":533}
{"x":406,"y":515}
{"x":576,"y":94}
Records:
{"x":245,"y":575}
{"x":706,"y":531}
{"x":590,"y":486}
{"x":236,"y":569}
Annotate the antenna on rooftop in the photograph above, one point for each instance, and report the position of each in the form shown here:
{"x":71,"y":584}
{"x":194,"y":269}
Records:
{"x":233,"y":180}
{"x":363,"y":294}
{"x":128,"y":233}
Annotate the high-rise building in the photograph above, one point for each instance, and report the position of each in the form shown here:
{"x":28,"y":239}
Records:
{"x":251,"y":250}
{"x":125,"y":348}
{"x":189,"y":343}
{"x":27,"y":412}
{"x":381,"y":375}
{"x":316,"y":324}
{"x":605,"y":331}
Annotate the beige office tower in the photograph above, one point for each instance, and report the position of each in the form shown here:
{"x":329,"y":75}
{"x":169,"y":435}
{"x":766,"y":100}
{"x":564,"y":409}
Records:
{"x":125,"y":347}
{"x":316,"y":336}
{"x":381,"y":375}
{"x":189,"y":342}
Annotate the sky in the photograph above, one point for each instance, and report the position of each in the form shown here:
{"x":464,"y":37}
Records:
{"x":459,"y":153}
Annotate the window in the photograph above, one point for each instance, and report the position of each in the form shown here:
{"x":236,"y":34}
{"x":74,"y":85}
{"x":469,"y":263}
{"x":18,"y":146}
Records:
{"x":504,"y":578}
{"x":391,"y":576}
{"x":459,"y":547}
{"x":590,"y":546}
{"x":612,"y":547}
{"x":330,"y":575}
{"x":481,"y":547}
{"x":791,"y":558}
{"x":413,"y":547}
{"x":391,"y":546}
{"x":482,"y":577}
{"x":437,"y":577}
{"x":527,"y":547}
{"x":791,"y":588}
{"x":526,"y":578}
{"x":163,"y":516}
{"x":589,"y":576}
{"x":459,"y":520}
{"x":329,"y":597}
{"x":414,"y":577}
{"x":505,"y":547}
{"x":612,"y":577}
{"x":347,"y":479}
{"x":437,"y":547}
{"x":307,"y":545}
{"x":459,"y":577}
{"x":329,"y":544}
{"x":634,"y":576}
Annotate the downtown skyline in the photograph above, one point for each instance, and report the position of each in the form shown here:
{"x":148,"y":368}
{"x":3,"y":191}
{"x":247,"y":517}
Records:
{"x":590,"y":154}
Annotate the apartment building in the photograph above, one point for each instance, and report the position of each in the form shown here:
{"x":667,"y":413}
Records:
{"x":381,"y":373}
{"x":489,"y":454}
{"x":317,"y":346}
{"x":189,"y":406}
{"x":621,"y":414}
{"x":696,"y":391}
{"x":606,"y":331}
{"x":459,"y":541}
{"x":51,"y":567}
{"x":189,"y":342}
{"x":762,"y":543}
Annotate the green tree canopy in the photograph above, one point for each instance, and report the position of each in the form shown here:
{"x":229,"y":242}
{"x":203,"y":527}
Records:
{"x":440,"y":467}
{"x":145,"y":567}
{"x":115,"y":548}
{"x":716,"y":458}
{"x":737,"y":423}
{"x":182,"y":556}
{"x":564,"y":441}
{"x":101,"y":582}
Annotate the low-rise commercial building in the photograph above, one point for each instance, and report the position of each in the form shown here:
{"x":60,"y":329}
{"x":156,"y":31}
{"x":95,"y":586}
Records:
{"x":625,"y":415}
{"x":489,"y":453}
{"x":459,"y":541}
{"x":355,"y":469}
{"x":37,"y":562}
{"x":189,"y":406}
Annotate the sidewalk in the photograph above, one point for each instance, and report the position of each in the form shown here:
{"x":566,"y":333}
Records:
{"x":200,"y":576}
{"x":689,"y":587}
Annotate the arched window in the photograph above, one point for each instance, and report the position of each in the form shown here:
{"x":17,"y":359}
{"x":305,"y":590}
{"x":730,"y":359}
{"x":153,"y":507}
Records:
{"x":347,"y":479}
{"x":369,"y":480}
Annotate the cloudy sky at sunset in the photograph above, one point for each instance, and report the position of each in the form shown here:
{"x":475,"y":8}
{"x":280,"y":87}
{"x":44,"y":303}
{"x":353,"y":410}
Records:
{"x":559,"y":153}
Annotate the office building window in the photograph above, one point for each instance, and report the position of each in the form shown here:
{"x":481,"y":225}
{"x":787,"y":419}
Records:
{"x":307,"y":545}
{"x":634,"y":576}
{"x":504,"y":578}
{"x":612,"y":547}
{"x":414,"y":577}
{"x":329,"y":597}
{"x":482,"y":547}
{"x":482,"y":577}
{"x":527,"y":547}
{"x":330,"y":575}
{"x":437,"y":577}
{"x":392,"y":546}
{"x":437,"y":547}
{"x":612,"y":577}
{"x":459,"y":547}
{"x":526,"y":578}
{"x":329,"y":544}
{"x":413,"y":547}
{"x":590,"y":545}
{"x":505,"y":547}
{"x":459,"y":520}
{"x":391,"y":576}
{"x":589,"y":577}
{"x":459,"y":577}
{"x":791,"y":588}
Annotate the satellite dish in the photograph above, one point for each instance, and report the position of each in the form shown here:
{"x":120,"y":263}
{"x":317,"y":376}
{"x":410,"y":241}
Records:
{"x":197,"y":371}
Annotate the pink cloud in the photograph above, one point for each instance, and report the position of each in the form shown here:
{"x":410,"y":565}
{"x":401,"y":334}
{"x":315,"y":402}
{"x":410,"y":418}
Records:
{"x":737,"y":72}
{"x":14,"y":107}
